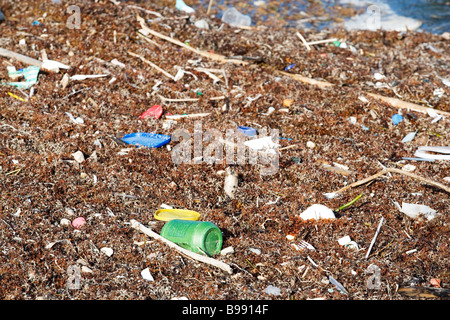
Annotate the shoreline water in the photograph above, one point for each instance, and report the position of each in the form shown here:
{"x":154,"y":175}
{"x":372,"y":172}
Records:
{"x":418,"y":15}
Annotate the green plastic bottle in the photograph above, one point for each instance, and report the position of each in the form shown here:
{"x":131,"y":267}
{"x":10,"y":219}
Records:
{"x":193,"y":235}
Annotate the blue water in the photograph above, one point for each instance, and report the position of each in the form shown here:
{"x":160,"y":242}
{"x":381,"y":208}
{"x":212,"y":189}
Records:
{"x":434,"y":14}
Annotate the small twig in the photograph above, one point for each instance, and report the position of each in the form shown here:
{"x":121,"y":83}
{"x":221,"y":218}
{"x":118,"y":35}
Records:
{"x":394,"y":170}
{"x":375,"y":237}
{"x":209,"y":6}
{"x":304,"y":41}
{"x":152,"y":65}
{"x":219,"y":264}
{"x":148,"y":39}
{"x":188,"y":99}
{"x":322,"y":41}
{"x":146,"y":11}
{"x":288,"y":147}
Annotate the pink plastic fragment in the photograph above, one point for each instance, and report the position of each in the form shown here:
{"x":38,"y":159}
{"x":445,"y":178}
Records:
{"x":155,"y":112}
{"x":78,"y":222}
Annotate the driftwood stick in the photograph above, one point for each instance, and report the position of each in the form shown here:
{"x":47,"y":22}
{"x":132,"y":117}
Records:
{"x":20,"y":57}
{"x":305,"y":43}
{"x":152,"y":65}
{"x":219,"y":264}
{"x":394,"y":170}
{"x":209,"y":6}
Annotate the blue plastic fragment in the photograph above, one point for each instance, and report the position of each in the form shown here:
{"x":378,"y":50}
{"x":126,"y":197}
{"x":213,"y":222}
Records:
{"x":397,"y":118}
{"x":289,"y":67}
{"x":145,"y":139}
{"x":248,"y":131}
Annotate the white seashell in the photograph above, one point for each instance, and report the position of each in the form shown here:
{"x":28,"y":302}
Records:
{"x":78,"y":156}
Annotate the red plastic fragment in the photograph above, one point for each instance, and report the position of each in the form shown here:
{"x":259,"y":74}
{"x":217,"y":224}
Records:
{"x":155,"y":112}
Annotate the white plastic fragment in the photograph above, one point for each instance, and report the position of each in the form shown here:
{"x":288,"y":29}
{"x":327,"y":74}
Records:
{"x":87,"y":76}
{"x":409,"y":137}
{"x":262,"y":144}
{"x":54,"y":65}
{"x":378,"y":76}
{"x":255,"y":251}
{"x":415,"y":210}
{"x":108,"y":251}
{"x":234,"y":18}
{"x":273,"y":290}
{"x":348,"y":243}
{"x":227,"y":250}
{"x":201,"y":24}
{"x":316,"y":212}
{"x":331,"y":195}
{"x":338,"y":286}
{"x":77,"y":120}
{"x":146,"y":275}
{"x":180,"y":5}
{"x":436,"y":117}
{"x":423,"y":152}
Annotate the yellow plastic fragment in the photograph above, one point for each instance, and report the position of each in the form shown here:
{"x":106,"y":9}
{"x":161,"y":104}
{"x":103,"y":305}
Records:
{"x":170,"y":214}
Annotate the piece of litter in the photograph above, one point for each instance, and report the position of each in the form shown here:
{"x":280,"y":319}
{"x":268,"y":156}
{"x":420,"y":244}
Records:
{"x":147,"y":275}
{"x":151,"y":140}
{"x":262,"y":144}
{"x":348,"y":243}
{"x":409,"y":137}
{"x":423,"y":152}
{"x":331,"y":195}
{"x":77,"y":120}
{"x":415,"y":210}
{"x":303,"y":245}
{"x":338,"y":286}
{"x":248,"y":131}
{"x":180,"y":5}
{"x":273,"y":290}
{"x":30,"y":75}
{"x":78,"y":222}
{"x":317,"y":211}
{"x":155,"y":112}
{"x":87,"y":76}
{"x":378,"y":76}
{"x":54,"y":65}
{"x":227,"y":250}
{"x":397,"y":118}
